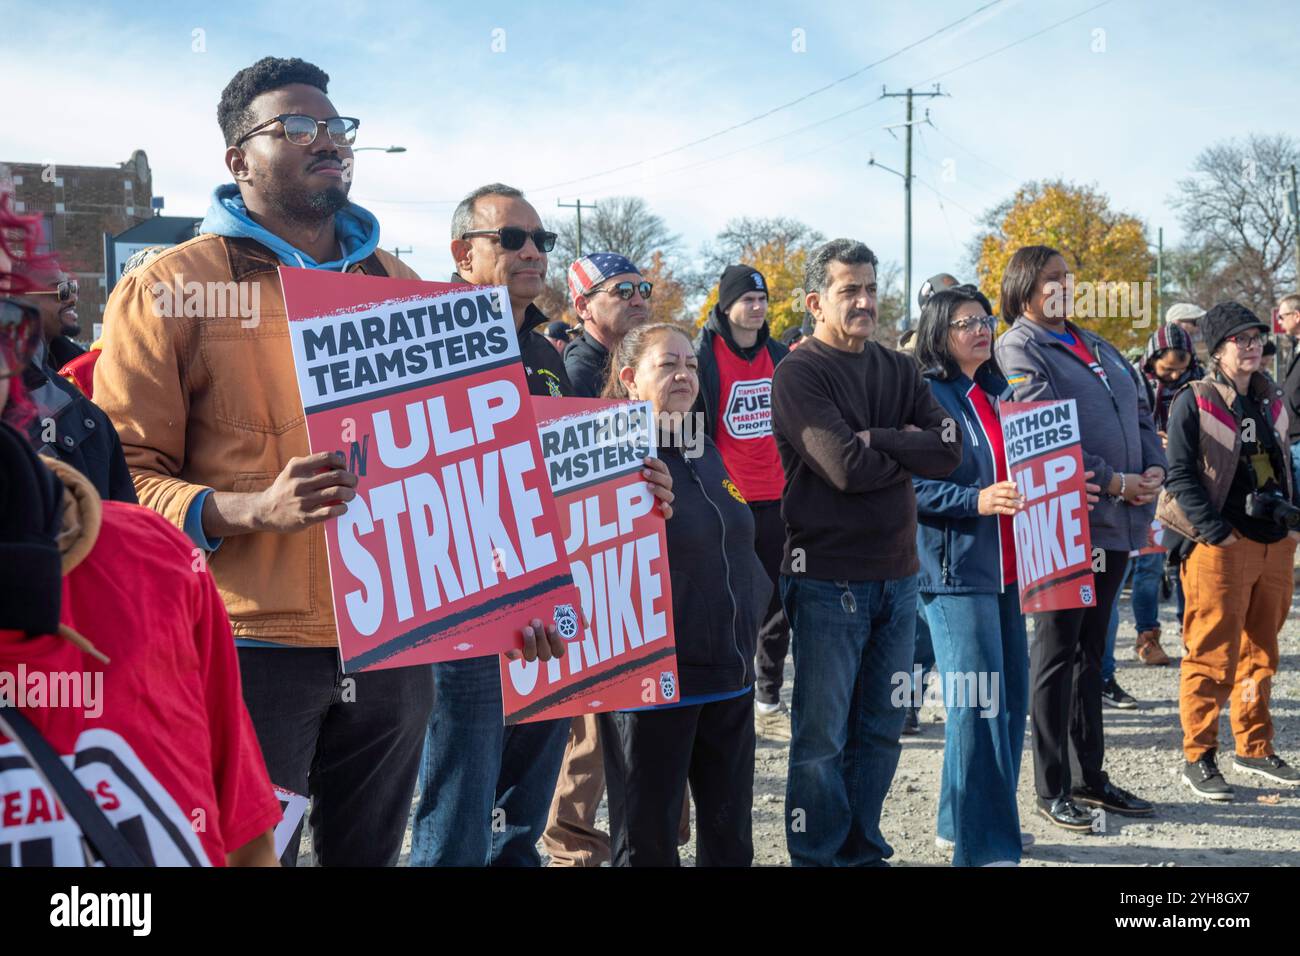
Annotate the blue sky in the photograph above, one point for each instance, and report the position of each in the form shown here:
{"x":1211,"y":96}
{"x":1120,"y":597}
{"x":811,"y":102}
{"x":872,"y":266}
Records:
{"x":1124,"y":96}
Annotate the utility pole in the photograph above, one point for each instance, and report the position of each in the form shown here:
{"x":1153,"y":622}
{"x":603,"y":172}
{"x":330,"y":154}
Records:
{"x":907,"y":194}
{"x":578,"y":206}
{"x":398,"y":252}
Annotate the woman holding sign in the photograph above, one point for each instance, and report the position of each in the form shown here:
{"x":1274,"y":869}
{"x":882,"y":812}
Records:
{"x":968,"y":587}
{"x":719,"y":591}
{"x":1047,"y":358}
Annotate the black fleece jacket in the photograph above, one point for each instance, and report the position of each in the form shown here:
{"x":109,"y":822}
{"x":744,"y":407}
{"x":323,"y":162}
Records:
{"x":542,"y":365}
{"x":587,"y":363}
{"x":720,"y":589}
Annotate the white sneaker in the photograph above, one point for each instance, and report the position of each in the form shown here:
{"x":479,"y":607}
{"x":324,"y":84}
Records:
{"x":944,"y":844}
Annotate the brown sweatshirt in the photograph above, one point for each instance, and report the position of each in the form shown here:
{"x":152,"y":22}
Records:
{"x":849,"y":509}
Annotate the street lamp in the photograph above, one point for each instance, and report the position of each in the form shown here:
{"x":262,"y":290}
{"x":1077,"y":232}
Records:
{"x":382,"y":149}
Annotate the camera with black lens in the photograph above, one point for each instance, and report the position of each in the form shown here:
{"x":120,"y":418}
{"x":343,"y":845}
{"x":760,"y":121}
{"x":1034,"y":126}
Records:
{"x":1272,"y":506}
{"x":1269,"y":503}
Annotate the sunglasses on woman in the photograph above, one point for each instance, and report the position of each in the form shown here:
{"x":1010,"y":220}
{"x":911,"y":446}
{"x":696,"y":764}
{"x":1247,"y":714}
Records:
{"x":513,"y":237}
{"x":65,"y":290}
{"x":20,"y":329}
{"x":624,"y":290}
{"x":301,"y":129}
{"x":972,"y":323}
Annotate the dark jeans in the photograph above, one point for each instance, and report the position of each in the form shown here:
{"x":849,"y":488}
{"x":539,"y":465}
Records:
{"x":485,"y":788}
{"x":351,"y":743}
{"x":774,"y":634}
{"x":853,"y":643}
{"x":923,"y":656}
{"x":649,"y":757}
{"x":1065,"y":674}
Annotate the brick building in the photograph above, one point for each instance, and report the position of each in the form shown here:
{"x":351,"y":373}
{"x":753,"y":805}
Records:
{"x":79,"y":204}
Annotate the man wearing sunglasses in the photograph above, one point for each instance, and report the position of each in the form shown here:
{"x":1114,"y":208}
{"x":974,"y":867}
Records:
{"x":497,"y":239}
{"x":210,"y":417}
{"x":611,"y":299}
{"x":485,"y":789}
{"x":67,"y":425}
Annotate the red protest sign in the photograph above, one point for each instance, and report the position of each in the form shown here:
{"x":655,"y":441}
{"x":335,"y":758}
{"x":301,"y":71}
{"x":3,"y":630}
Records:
{"x":452,"y":543}
{"x":614,"y":537}
{"x":1053,"y":542}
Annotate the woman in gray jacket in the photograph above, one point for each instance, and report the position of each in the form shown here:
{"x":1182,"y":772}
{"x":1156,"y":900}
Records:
{"x":1048,"y":358}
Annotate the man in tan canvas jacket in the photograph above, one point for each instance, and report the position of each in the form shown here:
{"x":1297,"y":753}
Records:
{"x":197,"y":374}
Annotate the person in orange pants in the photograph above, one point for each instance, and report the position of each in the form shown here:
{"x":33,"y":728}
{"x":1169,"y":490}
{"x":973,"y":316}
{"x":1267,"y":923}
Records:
{"x":1238,"y":597}
{"x":1231,"y":498}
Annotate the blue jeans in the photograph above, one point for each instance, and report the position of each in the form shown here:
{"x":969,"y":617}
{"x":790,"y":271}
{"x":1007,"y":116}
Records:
{"x":853,"y":643}
{"x":923,"y":656}
{"x":485,"y":788}
{"x":981,"y":636}
{"x":1145,"y":572}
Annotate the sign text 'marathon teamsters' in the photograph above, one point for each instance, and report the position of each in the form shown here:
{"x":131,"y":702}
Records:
{"x":452,"y":542}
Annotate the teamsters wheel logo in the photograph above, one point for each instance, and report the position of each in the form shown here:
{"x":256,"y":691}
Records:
{"x":566,"y":621}
{"x":668,"y":685}
{"x":1085,"y":594}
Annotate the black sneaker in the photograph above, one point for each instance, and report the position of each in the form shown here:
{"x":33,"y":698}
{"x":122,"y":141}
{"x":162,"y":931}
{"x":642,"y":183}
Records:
{"x":1065,"y":813}
{"x":1204,"y":777}
{"x":1113,"y":799}
{"x":1113,"y":695}
{"x":1273,"y":767}
{"x":912,"y":722}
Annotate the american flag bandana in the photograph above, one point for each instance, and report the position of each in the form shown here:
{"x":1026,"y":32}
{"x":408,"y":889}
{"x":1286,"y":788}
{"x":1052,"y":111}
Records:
{"x":591,"y":270}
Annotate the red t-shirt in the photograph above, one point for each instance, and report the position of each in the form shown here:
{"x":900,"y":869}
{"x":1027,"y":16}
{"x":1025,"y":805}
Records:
{"x":992,"y":426}
{"x":165,"y":746}
{"x":743,"y":431}
{"x":1090,"y":360}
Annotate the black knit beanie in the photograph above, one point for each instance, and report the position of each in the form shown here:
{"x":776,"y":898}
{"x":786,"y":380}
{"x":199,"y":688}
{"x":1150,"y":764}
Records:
{"x":1224,"y":321}
{"x":735,"y":282}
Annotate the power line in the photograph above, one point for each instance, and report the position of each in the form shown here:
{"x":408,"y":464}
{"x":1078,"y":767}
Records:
{"x":777,"y":109}
{"x":1013,"y":43}
{"x":780,"y":136}
{"x":975,"y":156}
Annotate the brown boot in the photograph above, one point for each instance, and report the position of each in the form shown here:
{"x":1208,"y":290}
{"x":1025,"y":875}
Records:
{"x":1148,"y":648}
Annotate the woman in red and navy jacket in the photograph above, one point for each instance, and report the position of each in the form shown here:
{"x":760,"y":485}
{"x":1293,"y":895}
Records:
{"x":968,"y":587}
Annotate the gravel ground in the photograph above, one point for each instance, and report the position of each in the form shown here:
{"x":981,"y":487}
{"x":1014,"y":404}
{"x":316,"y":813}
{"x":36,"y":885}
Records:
{"x":1143,"y":754}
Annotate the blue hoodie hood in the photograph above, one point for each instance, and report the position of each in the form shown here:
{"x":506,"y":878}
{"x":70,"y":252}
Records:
{"x":357,"y":230}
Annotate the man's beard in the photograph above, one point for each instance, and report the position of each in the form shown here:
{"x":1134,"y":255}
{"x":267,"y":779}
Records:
{"x":307,"y":206}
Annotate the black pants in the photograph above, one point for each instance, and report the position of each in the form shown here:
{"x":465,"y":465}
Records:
{"x":774,"y":634}
{"x":350,"y":742}
{"x":1065,"y":681}
{"x":650,"y":755}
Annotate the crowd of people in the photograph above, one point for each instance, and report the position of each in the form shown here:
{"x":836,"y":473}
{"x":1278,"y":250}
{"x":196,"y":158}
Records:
{"x":851,"y":507}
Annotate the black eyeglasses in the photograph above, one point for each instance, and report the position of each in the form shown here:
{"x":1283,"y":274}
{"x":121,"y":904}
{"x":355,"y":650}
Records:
{"x":66,"y":290}
{"x":1248,"y":341}
{"x":624,"y":290}
{"x":20,"y":327}
{"x":301,"y":129}
{"x":513,"y":238}
{"x":970,"y":323}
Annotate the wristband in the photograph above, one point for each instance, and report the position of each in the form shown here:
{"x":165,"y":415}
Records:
{"x":1123,"y":481}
